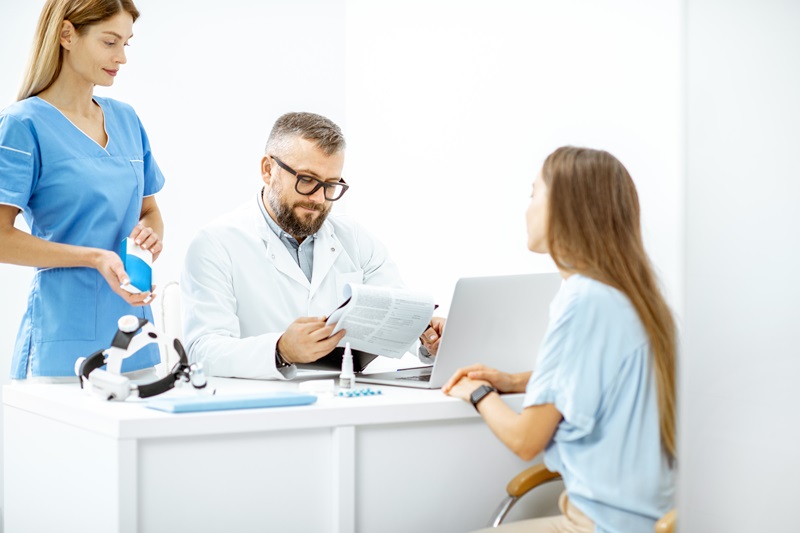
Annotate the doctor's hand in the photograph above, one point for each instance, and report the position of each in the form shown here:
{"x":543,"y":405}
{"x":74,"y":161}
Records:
{"x":147,"y":239}
{"x":110,"y":267}
{"x":308,"y":339}
{"x":432,"y":336}
{"x":502,"y":381}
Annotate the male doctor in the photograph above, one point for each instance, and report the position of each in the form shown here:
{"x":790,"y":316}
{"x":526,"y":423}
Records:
{"x":258,"y":282}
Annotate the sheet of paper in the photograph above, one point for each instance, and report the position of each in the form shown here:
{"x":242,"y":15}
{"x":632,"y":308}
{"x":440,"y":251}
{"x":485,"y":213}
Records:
{"x":382,"y":320}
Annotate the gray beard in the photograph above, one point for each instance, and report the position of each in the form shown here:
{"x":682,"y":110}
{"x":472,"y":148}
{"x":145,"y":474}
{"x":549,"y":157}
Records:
{"x":290,"y":222}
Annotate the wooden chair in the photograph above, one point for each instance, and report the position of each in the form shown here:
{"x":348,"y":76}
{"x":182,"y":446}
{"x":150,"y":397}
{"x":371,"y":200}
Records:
{"x":538,"y":475}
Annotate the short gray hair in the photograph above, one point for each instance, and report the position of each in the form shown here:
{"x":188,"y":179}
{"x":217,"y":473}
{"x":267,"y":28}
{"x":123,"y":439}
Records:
{"x":310,"y":126}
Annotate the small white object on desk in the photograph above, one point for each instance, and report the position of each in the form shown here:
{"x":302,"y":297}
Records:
{"x":347,"y":377}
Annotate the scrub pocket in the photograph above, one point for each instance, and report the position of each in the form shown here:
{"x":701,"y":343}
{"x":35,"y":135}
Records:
{"x":138,"y":170}
{"x":343,"y":278}
{"x":65,"y":304}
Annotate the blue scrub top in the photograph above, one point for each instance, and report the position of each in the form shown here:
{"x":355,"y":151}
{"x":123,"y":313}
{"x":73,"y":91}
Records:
{"x":595,"y":365}
{"x":72,"y":190}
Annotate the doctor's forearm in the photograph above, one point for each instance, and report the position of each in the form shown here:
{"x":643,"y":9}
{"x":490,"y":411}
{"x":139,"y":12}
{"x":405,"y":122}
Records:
{"x":227,"y":356}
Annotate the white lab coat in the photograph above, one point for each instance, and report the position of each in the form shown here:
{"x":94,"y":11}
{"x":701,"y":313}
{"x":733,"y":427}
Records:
{"x":241,"y":288}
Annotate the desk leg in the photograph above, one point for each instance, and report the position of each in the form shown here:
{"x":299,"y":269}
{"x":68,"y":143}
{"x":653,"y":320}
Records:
{"x":128,"y":490}
{"x":344,"y":478}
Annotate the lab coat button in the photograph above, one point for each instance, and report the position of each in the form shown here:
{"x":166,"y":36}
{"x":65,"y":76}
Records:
{"x":333,"y":249}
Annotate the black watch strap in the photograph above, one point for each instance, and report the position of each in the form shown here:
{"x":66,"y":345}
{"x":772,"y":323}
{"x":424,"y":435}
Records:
{"x":280,"y":362}
{"x":479,"y":394}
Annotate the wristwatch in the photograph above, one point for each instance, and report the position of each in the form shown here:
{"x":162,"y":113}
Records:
{"x":479,"y":394}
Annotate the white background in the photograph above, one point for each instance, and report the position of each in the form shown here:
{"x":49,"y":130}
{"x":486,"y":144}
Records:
{"x":449,"y":109}
{"x":740,"y":399}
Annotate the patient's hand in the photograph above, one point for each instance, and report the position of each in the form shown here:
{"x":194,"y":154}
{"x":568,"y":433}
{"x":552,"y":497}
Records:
{"x":308,"y":339}
{"x":464,"y":388}
{"x":502,"y":381}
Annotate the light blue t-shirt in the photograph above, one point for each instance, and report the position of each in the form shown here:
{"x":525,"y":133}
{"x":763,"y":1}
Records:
{"x":595,"y":365}
{"x":73,"y":191}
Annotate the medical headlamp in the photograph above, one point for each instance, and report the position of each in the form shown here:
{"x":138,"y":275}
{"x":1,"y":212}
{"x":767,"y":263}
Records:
{"x":133,"y":334}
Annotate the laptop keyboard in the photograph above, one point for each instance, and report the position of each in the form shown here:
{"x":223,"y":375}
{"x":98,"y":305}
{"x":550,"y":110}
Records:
{"x":424,"y":377}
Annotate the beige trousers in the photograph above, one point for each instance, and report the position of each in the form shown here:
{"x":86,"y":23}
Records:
{"x":572,"y":520}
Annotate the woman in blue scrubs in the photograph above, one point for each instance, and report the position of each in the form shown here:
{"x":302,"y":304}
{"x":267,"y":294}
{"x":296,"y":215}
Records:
{"x":80,"y":170}
{"x":600,"y":402}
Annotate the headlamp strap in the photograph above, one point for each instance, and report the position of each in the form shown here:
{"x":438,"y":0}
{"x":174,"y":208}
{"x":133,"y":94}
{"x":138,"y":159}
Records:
{"x":158,"y":387}
{"x":93,"y":362}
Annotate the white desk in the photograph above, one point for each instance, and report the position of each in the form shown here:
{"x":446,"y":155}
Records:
{"x":407,"y":460}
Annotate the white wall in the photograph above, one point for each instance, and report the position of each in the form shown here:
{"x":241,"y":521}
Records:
{"x":453,"y":106}
{"x":740,"y":399}
{"x":14,"y":281}
{"x":449,"y":109}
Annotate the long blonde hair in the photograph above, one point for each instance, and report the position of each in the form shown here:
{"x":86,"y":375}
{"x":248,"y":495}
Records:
{"x":44,"y":62}
{"x":594,"y":230}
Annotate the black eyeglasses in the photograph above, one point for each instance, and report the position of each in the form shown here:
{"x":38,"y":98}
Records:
{"x":308,"y":185}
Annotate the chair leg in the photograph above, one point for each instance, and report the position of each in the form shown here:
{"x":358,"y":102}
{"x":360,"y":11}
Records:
{"x":501,"y":511}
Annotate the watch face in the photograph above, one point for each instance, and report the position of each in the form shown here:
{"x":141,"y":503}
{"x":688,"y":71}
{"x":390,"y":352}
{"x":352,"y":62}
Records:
{"x":475,"y":396}
{"x":479,"y":393}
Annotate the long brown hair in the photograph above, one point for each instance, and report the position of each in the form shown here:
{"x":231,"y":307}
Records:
{"x":44,"y":63}
{"x":594,"y":230}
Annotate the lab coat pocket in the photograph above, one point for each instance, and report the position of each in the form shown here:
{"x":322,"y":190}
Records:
{"x":65,"y":305}
{"x":343,"y":278}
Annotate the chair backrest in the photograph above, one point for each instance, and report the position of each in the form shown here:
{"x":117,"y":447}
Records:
{"x":666,"y":523}
{"x":170,"y":320}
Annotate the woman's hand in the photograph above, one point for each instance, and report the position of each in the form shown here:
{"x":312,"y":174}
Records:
{"x":110,"y":267}
{"x":147,"y":239}
{"x":464,"y":388}
{"x":502,"y":381}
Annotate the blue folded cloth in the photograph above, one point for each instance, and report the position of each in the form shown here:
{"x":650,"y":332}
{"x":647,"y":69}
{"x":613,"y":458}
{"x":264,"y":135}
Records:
{"x":188,"y":404}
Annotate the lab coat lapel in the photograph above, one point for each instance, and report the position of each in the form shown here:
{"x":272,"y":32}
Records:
{"x":276,"y":252}
{"x":326,"y":249}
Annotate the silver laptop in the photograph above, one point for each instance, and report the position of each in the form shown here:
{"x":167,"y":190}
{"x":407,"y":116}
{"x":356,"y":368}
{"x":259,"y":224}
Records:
{"x":499,"y":321}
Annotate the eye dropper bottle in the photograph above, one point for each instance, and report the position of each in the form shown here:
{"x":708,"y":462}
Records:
{"x":347,"y":378}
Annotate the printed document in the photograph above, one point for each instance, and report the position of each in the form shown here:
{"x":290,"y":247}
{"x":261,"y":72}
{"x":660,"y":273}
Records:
{"x":381,"y":320}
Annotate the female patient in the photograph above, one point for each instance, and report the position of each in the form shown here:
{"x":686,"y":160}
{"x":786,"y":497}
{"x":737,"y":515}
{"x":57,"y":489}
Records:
{"x":601,"y":401}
